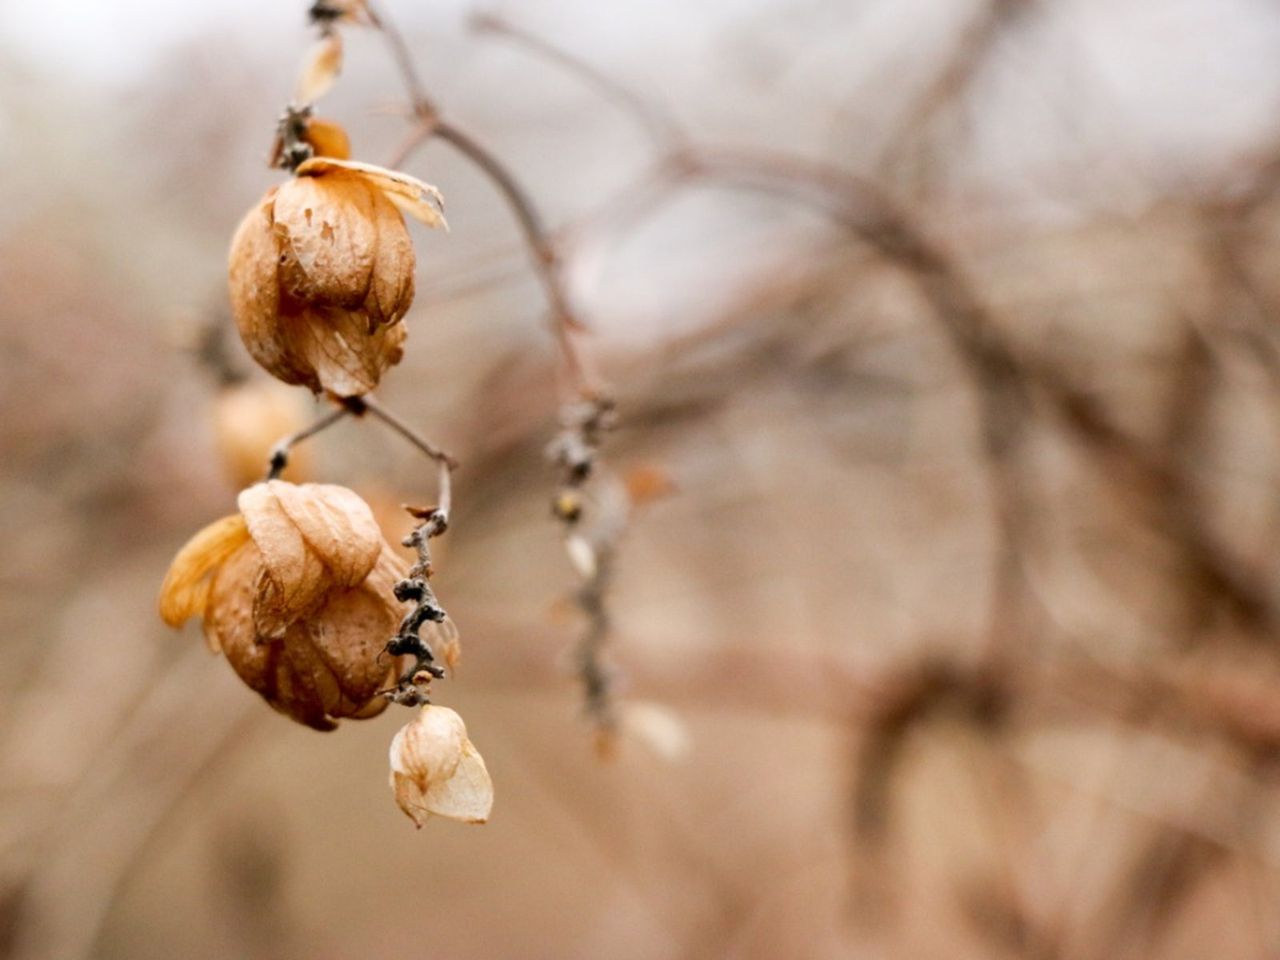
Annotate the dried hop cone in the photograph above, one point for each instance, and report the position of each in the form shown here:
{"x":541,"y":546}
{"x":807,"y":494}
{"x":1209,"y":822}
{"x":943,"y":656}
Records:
{"x":435,"y":770}
{"x":296,"y":591}
{"x":321,"y":273}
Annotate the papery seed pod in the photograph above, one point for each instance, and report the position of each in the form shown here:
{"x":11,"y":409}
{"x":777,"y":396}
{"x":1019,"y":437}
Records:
{"x":322,"y":271}
{"x":249,"y":419}
{"x":435,"y":770}
{"x":297,"y":591}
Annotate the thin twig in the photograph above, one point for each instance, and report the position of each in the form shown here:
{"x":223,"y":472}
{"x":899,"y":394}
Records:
{"x":443,"y":459}
{"x":661,"y":127}
{"x":587,"y":414}
{"x":280,"y":452}
{"x":543,"y":254}
{"x":429,"y":125}
{"x":423,"y":107}
{"x":406,"y":431}
{"x":416,"y":138}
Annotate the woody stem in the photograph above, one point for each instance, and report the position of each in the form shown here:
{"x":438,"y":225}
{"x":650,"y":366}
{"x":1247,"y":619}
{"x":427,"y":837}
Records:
{"x":545,"y":259}
{"x":422,"y":105}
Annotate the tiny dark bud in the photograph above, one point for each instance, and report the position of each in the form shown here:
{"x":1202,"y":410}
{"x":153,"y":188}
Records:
{"x":567,"y":506}
{"x":279,"y":460}
{"x":323,"y":11}
{"x":399,"y":646}
{"x":410,"y":591}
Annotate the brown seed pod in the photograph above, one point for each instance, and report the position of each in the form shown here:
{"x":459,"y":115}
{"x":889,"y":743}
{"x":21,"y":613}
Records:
{"x":321,"y":272}
{"x":297,"y":591}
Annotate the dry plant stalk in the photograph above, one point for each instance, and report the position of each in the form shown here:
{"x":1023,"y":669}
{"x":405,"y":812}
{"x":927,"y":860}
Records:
{"x":299,"y":591}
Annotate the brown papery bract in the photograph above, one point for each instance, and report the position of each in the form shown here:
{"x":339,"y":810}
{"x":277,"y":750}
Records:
{"x":297,"y":592}
{"x":322,"y":271}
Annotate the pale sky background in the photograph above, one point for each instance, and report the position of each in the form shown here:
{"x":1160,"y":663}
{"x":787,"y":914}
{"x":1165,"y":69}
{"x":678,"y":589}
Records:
{"x":1189,"y":78}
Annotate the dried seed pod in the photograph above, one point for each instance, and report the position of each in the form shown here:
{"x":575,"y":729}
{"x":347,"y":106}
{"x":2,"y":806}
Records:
{"x":321,"y":273}
{"x":435,"y":770}
{"x":297,"y":591}
{"x":248,"y":420}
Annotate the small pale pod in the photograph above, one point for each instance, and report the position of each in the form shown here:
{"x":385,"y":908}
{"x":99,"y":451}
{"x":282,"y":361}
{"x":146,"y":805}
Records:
{"x":436,"y":771}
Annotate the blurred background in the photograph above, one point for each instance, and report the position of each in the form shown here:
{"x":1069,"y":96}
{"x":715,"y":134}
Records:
{"x":952,"y":324}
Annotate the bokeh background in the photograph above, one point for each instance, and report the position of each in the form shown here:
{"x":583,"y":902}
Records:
{"x":953,"y":323}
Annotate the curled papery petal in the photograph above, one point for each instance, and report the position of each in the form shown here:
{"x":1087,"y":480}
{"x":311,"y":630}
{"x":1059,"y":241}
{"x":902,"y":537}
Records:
{"x":582,"y":555}
{"x":337,"y":524}
{"x":337,"y":350}
{"x":185,"y":591}
{"x":420,"y":200}
{"x":646,"y":483}
{"x":312,"y":537}
{"x":435,"y":770}
{"x":446,"y":642}
{"x":391,"y":287}
{"x":253,"y":271}
{"x":320,"y":69}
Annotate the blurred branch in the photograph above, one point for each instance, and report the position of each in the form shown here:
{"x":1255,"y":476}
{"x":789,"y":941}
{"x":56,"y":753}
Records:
{"x":663,"y":130}
{"x":970,"y":54}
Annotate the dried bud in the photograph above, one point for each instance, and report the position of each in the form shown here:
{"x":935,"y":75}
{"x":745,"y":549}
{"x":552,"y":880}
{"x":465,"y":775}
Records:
{"x":436,"y":771}
{"x":248,"y":420}
{"x":327,"y":138}
{"x":297,"y":592}
{"x":321,"y":273}
{"x":338,"y":11}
